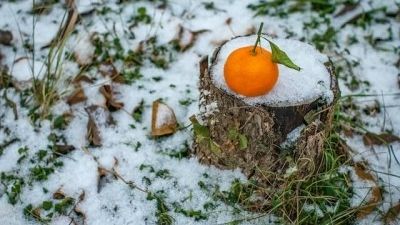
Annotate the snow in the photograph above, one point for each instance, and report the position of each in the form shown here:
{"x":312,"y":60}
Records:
{"x":23,"y":70}
{"x":164,"y":115}
{"x":116,"y":203}
{"x":84,"y":50}
{"x":292,"y":137}
{"x":293,"y":87}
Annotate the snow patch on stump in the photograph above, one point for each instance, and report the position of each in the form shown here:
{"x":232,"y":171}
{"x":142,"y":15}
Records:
{"x":293,"y":87}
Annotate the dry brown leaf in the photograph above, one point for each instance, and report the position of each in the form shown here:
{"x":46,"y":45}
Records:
{"x":59,"y":194}
{"x":101,"y":178}
{"x":76,"y":97}
{"x":163,"y":120}
{"x":111,"y":104}
{"x":93,"y":133}
{"x":370,"y":139}
{"x":68,"y":26}
{"x":81,"y":78}
{"x":78,"y":211}
{"x":63,"y":149}
{"x":186,"y":38}
{"x":392,"y":214}
{"x":347,"y":131}
{"x":362,"y":172}
{"x":36,"y":213}
{"x":72,"y":19}
{"x":107,"y":69}
{"x":372,"y":204}
{"x":101,"y":174}
{"x":5,"y":37}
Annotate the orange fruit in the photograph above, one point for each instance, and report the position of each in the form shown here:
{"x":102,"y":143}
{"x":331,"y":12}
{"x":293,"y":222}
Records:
{"x":250,"y":74}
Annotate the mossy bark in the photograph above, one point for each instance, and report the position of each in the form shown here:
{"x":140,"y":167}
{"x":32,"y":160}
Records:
{"x":262,"y":158}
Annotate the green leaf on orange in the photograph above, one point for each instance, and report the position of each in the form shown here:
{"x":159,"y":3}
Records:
{"x":280,"y":57}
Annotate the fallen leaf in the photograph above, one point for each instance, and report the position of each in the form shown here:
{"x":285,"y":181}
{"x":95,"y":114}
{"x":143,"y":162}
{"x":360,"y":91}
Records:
{"x":111,"y":103}
{"x":372,"y":204}
{"x":80,"y":213}
{"x":72,"y":19}
{"x":76,"y":97}
{"x":81,"y":78}
{"x":93,"y":133}
{"x":392,"y":214}
{"x":102,"y":178}
{"x":59,"y":194}
{"x":362,"y":172}
{"x":107,"y":69}
{"x":36,"y":213}
{"x":5,"y":37}
{"x":370,"y":138}
{"x":63,"y":149}
{"x":163,"y":120}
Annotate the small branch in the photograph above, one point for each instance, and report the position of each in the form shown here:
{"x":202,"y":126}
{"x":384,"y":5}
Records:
{"x":258,"y":41}
{"x":131,"y":184}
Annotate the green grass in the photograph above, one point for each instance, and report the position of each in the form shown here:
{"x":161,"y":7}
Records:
{"x":322,"y":197}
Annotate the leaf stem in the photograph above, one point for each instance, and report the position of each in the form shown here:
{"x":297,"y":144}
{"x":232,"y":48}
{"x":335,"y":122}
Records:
{"x":258,"y":41}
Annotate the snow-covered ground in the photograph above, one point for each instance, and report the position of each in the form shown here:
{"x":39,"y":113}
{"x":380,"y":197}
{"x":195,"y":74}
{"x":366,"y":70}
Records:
{"x":115,"y":183}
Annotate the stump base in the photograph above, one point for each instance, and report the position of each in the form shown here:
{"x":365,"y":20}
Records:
{"x":250,"y":137}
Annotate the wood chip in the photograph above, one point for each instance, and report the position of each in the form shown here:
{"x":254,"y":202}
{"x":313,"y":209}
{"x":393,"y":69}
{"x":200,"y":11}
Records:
{"x":163,"y":120}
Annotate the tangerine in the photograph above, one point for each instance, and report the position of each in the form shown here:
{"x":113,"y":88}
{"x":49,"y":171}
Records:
{"x":250,"y":73}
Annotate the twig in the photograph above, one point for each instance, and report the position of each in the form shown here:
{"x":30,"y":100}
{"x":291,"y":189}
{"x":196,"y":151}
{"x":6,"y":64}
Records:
{"x":116,"y":174}
{"x":258,"y":41}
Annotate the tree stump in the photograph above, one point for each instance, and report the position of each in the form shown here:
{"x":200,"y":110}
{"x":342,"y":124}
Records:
{"x":260,"y":155}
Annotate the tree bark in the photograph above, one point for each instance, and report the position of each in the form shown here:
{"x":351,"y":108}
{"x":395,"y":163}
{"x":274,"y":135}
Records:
{"x":265,"y":128}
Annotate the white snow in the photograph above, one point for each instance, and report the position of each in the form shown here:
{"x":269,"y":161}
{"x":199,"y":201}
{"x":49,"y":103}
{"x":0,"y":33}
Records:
{"x":24,"y":69}
{"x":132,"y":148}
{"x":164,"y":115}
{"x":293,"y":87}
{"x":84,"y":50}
